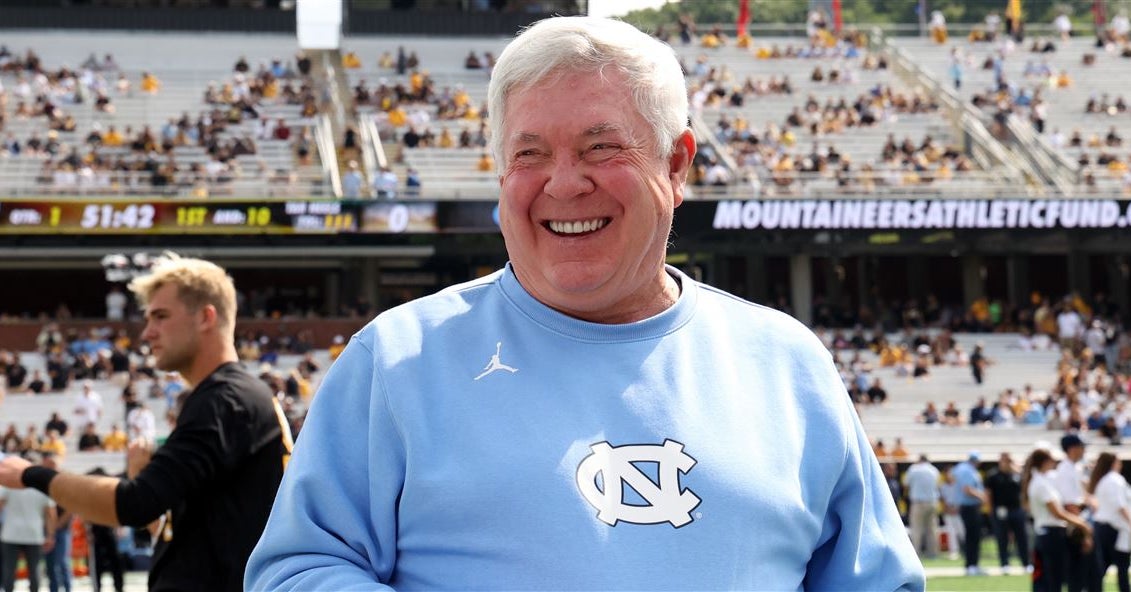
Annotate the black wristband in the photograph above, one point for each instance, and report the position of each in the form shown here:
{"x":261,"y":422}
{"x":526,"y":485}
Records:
{"x":37,"y":477}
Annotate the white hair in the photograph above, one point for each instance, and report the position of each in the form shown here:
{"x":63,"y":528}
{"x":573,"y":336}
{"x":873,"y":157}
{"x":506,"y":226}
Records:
{"x":583,"y":44}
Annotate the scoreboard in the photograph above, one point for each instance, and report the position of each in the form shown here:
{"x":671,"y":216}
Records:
{"x":228,"y":217}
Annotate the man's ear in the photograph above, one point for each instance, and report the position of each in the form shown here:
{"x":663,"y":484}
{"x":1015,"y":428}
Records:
{"x":208,"y":317}
{"x":679,"y":163}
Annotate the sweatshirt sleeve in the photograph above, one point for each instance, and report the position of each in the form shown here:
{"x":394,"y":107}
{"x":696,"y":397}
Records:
{"x":333,"y":525}
{"x":863,"y":543}
{"x":209,"y":441}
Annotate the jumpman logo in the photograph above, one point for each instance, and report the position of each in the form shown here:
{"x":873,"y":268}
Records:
{"x":495,"y":364}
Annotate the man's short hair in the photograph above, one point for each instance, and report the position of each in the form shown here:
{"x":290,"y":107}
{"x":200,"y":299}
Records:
{"x":562,"y":45}
{"x":198,"y":283}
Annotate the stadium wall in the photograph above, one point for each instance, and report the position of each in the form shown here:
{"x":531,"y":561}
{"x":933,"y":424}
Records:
{"x":436,"y":22}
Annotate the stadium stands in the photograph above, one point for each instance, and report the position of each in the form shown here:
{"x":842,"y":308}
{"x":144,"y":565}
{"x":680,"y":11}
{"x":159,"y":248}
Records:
{"x":1064,"y":80}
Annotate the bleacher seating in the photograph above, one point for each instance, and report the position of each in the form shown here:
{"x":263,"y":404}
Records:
{"x":1011,"y":368}
{"x":24,"y":409}
{"x":183,"y":80}
{"x":1065,"y":106}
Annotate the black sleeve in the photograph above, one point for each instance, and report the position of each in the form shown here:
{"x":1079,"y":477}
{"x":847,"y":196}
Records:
{"x":211,"y":437}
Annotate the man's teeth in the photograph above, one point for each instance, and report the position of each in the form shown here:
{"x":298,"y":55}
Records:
{"x":577,"y":226}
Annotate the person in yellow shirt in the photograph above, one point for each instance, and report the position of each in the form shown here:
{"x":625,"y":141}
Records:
{"x":460,"y":99}
{"x":337,"y":347}
{"x":115,"y":441}
{"x":899,"y":452}
{"x":350,"y":60}
{"x":54,"y":444}
{"x":397,"y":116}
{"x":271,"y":89}
{"x":112,"y":137}
{"x":416,"y":82}
{"x":446,"y":140}
{"x":486,"y":164}
{"x":149,"y":83}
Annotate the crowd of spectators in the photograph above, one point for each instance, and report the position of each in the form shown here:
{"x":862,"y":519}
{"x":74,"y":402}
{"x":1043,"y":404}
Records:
{"x":121,"y":159}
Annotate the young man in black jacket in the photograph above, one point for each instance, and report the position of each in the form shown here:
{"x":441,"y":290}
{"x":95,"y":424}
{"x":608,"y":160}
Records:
{"x":212,"y":483}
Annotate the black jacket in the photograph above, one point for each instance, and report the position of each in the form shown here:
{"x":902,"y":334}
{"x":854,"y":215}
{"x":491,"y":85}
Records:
{"x":217,"y":473}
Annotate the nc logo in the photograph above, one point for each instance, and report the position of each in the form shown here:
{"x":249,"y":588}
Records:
{"x":666,"y":502}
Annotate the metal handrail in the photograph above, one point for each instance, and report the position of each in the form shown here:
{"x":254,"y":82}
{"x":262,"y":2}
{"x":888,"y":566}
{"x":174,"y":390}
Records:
{"x":328,"y":154}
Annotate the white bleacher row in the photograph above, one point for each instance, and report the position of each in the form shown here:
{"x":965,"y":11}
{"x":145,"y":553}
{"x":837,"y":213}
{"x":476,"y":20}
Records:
{"x":181,"y":93}
{"x":1011,"y":368}
{"x":862,"y":145}
{"x":451,"y":173}
{"x":1065,"y":105}
{"x":25,"y":409}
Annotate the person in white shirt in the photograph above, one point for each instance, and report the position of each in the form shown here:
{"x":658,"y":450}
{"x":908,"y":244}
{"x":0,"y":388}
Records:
{"x":1069,"y":480}
{"x":88,"y":409}
{"x":116,"y":302}
{"x":1063,"y":26}
{"x":1121,"y":26}
{"x":1069,"y":327}
{"x":1112,"y":516}
{"x":1050,"y":519}
{"x":923,"y":492}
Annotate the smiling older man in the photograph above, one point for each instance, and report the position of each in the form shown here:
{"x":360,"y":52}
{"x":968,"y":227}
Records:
{"x":586,"y":417}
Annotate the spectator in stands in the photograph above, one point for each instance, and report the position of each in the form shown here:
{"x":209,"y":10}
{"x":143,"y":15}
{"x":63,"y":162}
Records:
{"x":937,"y":27}
{"x":981,"y":412}
{"x":14,"y":371}
{"x":1063,"y":26}
{"x":485,"y":164}
{"x":149,"y":83}
{"x":37,"y":385}
{"x":54,"y":444}
{"x":385,"y":183}
{"x":951,"y":415}
{"x":899,"y":452}
{"x":56,"y":423}
{"x":115,"y":440}
{"x":11,"y":442}
{"x":978,"y":363}
{"x":472,"y":62}
{"x":352,"y":181}
{"x":90,"y":440}
{"x":412,"y":182}
{"x":88,"y":409}
{"x":1121,"y":27}
{"x":876,"y":393}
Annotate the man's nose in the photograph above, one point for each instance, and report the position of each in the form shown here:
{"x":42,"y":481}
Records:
{"x":568,"y":179}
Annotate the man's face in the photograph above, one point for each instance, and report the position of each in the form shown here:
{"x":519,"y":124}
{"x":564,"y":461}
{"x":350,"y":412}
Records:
{"x":1075,"y":453}
{"x":586,"y":203}
{"x":171,"y":329}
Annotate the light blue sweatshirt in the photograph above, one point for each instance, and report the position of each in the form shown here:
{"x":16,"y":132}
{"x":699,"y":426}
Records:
{"x":477,"y":439}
